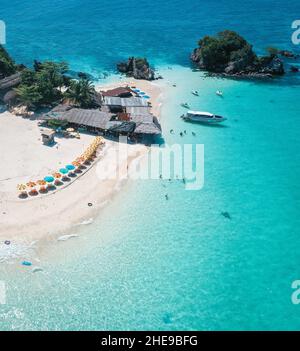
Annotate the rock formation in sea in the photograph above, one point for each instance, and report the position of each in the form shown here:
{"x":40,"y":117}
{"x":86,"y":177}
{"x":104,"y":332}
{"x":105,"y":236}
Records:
{"x":137,"y":68}
{"x":229,"y":54}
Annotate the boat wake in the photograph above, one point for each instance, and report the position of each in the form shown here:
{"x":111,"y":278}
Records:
{"x":67,"y":237}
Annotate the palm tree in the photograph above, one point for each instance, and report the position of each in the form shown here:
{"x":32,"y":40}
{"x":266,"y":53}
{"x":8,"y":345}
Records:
{"x":28,"y":95}
{"x":81,"y":93}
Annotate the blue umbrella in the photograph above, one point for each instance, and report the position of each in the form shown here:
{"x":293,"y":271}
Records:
{"x":142,"y":93}
{"x":49,"y":179}
{"x":63,"y":171}
{"x":136,"y":90}
{"x":146,"y":97}
{"x":70,"y":167}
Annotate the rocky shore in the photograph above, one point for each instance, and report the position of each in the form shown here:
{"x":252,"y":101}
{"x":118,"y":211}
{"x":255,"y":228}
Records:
{"x":137,"y":68}
{"x":229,"y":54}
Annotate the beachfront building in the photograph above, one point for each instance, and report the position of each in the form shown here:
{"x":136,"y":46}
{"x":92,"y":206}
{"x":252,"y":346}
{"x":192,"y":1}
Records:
{"x":48,"y":137}
{"x":7,"y":85}
{"x":124,"y":114}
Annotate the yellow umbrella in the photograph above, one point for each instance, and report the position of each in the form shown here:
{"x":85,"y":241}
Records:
{"x":31,"y":184}
{"x":21,"y":187}
{"x":42,"y":184}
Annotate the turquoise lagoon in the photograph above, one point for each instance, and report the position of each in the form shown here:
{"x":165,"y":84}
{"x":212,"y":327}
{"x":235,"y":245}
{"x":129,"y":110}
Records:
{"x":148,"y":263}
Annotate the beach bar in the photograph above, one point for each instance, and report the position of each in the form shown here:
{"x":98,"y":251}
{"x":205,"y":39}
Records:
{"x":122,"y":112}
{"x":48,"y":137}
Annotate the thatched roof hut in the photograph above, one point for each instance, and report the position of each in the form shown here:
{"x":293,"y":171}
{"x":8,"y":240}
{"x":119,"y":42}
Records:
{"x":89,"y":118}
{"x":10,"y":97}
{"x":147,"y":128}
{"x":118,"y":92}
{"x":120,"y":127}
{"x":125,"y":102}
{"x":10,"y":82}
{"x":105,"y":121}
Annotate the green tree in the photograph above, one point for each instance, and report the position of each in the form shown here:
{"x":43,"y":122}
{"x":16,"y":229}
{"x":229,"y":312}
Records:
{"x":52,"y":72}
{"x":216,"y":52}
{"x":28,"y":77}
{"x":28,"y":95}
{"x":81,"y":93}
{"x":7,"y":65}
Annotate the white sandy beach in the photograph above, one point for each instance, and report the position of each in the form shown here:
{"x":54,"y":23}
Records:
{"x":25,"y":158}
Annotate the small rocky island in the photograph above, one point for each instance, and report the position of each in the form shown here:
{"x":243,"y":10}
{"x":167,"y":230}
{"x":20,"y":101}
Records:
{"x":137,"y":68}
{"x":229,"y":54}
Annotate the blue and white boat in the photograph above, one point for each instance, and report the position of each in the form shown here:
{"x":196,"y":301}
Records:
{"x":203,"y":117}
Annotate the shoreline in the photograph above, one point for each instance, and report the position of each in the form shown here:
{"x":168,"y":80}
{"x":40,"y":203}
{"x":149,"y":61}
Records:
{"x":45,"y":218}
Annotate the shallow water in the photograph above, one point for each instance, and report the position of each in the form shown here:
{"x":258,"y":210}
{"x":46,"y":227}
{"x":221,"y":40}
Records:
{"x":148,"y":263}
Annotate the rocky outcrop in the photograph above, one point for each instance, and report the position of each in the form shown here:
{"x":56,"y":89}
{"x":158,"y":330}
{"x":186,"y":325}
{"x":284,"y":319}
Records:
{"x":137,"y":68}
{"x":294,"y":69}
{"x":229,"y":54}
{"x":288,"y":54}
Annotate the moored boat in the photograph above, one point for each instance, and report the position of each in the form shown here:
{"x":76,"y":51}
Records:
{"x":203,"y":117}
{"x":185,"y":105}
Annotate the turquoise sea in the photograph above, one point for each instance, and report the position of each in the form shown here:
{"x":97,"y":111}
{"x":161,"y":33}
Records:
{"x":148,"y":263}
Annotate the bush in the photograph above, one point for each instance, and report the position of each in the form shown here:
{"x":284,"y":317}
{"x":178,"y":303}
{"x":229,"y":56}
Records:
{"x":7,"y":65}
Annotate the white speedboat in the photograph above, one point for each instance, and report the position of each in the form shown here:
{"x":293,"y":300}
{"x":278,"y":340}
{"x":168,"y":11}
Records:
{"x":203,"y":117}
{"x":219,"y":93}
{"x":195,"y":92}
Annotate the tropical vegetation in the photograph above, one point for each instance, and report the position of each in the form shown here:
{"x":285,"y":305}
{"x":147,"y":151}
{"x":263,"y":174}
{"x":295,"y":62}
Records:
{"x":47,"y":84}
{"x":7,"y":65}
{"x":81,"y":93}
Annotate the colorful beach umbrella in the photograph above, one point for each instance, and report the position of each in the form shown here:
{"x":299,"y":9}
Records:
{"x":21,"y":187}
{"x":42,"y":184}
{"x":63,"y":171}
{"x":76,"y":164}
{"x":70,"y":167}
{"x":31,"y":185}
{"x":49,"y":179}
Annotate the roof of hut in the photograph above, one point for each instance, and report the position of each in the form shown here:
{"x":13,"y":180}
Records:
{"x":139,"y":124}
{"x":118,"y":92}
{"x":10,"y":82}
{"x":138,"y":110}
{"x":62,"y":108}
{"x":125,"y":102}
{"x":146,"y":118}
{"x":147,"y":128}
{"x":120,"y":126}
{"x":90,"y":118}
{"x":9,"y":96}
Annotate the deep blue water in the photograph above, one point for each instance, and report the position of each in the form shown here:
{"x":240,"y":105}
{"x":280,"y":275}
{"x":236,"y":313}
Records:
{"x":148,"y":263}
{"x":94,"y":35}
